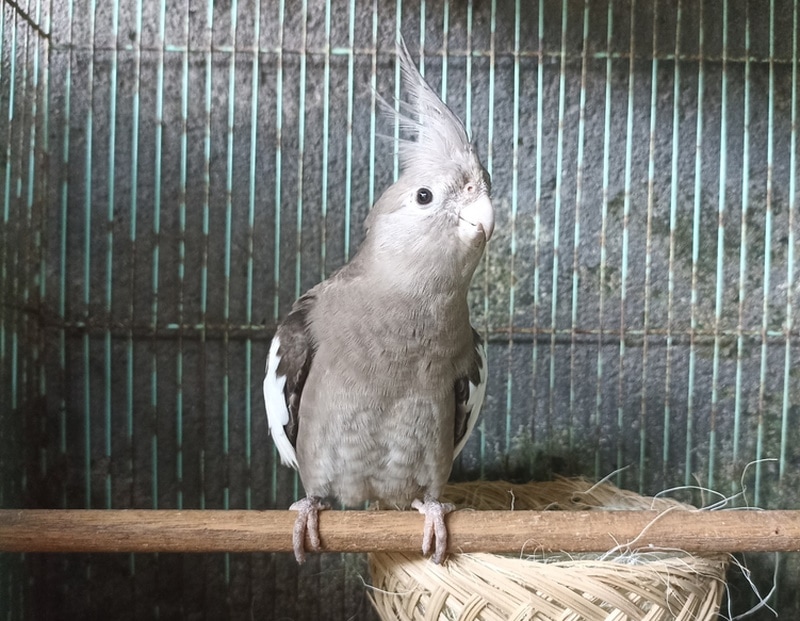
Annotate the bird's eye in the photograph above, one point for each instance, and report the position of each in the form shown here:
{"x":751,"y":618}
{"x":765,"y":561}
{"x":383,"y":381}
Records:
{"x":424,"y":196}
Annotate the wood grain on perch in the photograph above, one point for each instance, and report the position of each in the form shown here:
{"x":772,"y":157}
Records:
{"x":373,"y":531}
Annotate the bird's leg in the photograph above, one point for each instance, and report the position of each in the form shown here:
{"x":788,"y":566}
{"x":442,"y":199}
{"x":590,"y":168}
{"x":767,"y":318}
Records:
{"x":307,"y":522}
{"x":435,"y":528}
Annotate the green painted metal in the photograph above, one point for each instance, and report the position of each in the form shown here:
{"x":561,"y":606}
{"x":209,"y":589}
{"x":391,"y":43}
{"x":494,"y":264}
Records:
{"x":790,"y":259}
{"x":766,"y":307}
{"x":513,"y":223}
{"x":719,"y":286}
{"x":625,"y":258}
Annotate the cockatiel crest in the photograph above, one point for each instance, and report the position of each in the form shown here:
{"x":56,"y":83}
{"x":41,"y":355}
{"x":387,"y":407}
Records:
{"x":439,"y":137}
{"x":375,"y":379}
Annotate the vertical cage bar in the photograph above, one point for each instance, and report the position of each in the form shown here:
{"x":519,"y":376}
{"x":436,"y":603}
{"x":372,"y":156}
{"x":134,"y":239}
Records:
{"x":63,"y":210}
{"x":45,"y":196}
{"x":251,"y":217}
{"x":24,"y":197}
{"x":132,"y":238}
{"x":209,"y":74}
{"x":446,"y":50}
{"x":512,"y":290}
{"x":5,"y":481}
{"x":21,"y":286}
{"x":276,"y":272}
{"x":398,"y":33}
{"x":33,"y":225}
{"x":226,"y":379}
{"x":156,"y":253}
{"x":790,"y":276}
{"x":673,"y":217}
{"x":576,"y":233}
{"x":648,"y":268}
{"x":8,"y":344}
{"x":348,"y":174}
{"x":276,"y":262}
{"x":12,"y":589}
{"x":182,"y":180}
{"x":326,"y":104}
{"x":603,"y":238}
{"x":696,"y":224}
{"x":562,"y":79}
{"x":301,"y":142}
{"x":537,"y":208}
{"x":626,"y":212}
{"x":3,"y":234}
{"x":107,"y":353}
{"x":373,"y":83}
{"x":765,"y":305}
{"x":490,"y":170}
{"x":422,"y":37}
{"x":468,"y":69}
{"x":45,"y":141}
{"x":491,"y":93}
{"x":226,"y":313}
{"x":12,"y":80}
{"x":743,"y":254}
{"x":720,"y":277}
{"x":87,"y":263}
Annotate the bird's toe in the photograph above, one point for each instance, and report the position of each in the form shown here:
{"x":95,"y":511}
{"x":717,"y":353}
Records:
{"x":306,"y":526}
{"x":434,"y":533}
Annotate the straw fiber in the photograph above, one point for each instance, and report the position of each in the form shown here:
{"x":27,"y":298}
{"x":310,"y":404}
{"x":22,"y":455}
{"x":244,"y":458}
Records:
{"x":619,"y":585}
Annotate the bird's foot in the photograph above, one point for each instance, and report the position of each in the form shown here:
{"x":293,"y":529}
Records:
{"x":435,"y":528}
{"x":307,"y":523}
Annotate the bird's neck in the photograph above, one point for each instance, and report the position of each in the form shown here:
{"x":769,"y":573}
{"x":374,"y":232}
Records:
{"x":426,"y":270}
{"x":423,"y":277}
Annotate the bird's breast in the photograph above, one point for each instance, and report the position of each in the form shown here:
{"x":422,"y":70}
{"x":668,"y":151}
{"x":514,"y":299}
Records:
{"x":393,"y":452}
{"x":377,"y":410}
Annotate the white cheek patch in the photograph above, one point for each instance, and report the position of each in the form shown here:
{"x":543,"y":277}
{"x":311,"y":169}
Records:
{"x":277,"y":410}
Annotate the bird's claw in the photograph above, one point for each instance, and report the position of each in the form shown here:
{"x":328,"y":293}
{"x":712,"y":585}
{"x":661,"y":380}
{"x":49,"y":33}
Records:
{"x":307,"y":523}
{"x":435,"y":528}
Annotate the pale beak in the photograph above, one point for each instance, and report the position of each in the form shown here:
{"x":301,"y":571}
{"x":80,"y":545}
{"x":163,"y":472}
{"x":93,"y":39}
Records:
{"x":480,"y":214}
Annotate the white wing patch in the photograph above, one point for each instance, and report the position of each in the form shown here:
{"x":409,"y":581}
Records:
{"x":475,"y":400}
{"x":277,"y":410}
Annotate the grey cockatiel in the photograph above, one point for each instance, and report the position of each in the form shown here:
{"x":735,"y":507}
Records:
{"x":376,"y":377}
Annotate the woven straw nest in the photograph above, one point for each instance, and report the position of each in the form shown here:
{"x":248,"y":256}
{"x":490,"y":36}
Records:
{"x":623,"y":586}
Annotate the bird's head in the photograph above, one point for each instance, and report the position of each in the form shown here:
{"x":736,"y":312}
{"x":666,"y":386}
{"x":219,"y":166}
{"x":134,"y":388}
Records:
{"x":440,"y":207}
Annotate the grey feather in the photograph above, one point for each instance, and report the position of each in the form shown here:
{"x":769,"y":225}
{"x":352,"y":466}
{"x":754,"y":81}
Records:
{"x":376,"y":377}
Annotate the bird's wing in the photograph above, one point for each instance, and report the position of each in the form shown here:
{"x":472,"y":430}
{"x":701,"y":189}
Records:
{"x":288,"y":363}
{"x":470,"y":391}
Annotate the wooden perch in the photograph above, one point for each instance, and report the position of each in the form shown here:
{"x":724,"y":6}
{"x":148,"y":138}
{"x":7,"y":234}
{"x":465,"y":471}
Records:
{"x":372,"y":531}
